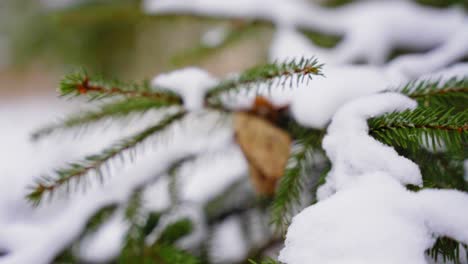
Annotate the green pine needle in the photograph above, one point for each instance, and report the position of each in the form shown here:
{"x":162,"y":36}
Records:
{"x":292,"y":184}
{"x":437,"y":93}
{"x":432,"y":127}
{"x":79,"y":83}
{"x":446,"y":249}
{"x":269,"y":74}
{"x":117,"y":109}
{"x":168,"y":254}
{"x":175,"y":231}
{"x":94,"y":163}
{"x":441,"y":170}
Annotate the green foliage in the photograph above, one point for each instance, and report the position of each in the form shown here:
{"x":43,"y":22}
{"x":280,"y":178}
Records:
{"x":322,"y":39}
{"x":175,"y":231}
{"x":275,"y":73}
{"x":453,"y":92}
{"x":88,"y":34}
{"x":79,"y":83}
{"x":439,"y":124}
{"x":446,"y":249}
{"x":432,"y":127}
{"x":291,"y":185}
{"x":118,"y":109}
{"x":442,"y":170}
{"x":78,"y":170}
{"x":171,"y":255}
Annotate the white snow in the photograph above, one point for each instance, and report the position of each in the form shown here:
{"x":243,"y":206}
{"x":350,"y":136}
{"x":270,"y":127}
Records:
{"x":459,"y":71}
{"x":368,"y":216}
{"x":371,"y":29}
{"x":191,"y":83}
{"x":105,"y":244}
{"x":36,"y":235}
{"x":314,"y":104}
{"x":229,"y":162}
{"x":353,"y":152}
{"x":228,"y":244}
{"x":393,"y":225}
{"x":214,"y":36}
{"x":374,"y":220}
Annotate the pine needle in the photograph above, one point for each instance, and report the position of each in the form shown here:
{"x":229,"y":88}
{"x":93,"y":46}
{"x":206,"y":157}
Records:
{"x":79,"y":83}
{"x":77,"y":171}
{"x":433,"y":127}
{"x":270,"y":74}
{"x":117,"y":109}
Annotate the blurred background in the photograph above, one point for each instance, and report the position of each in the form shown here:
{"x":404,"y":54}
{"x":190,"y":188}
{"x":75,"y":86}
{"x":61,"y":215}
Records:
{"x":40,"y":40}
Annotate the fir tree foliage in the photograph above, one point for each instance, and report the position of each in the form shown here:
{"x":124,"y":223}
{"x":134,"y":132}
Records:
{"x":79,"y":83}
{"x":292,"y":185}
{"x":77,"y":171}
{"x":286,"y":73}
{"x":433,"y":127}
{"x":432,"y":93}
{"x":434,"y":135}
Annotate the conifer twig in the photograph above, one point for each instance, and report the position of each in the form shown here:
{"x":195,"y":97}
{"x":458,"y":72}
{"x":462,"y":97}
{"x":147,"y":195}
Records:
{"x":81,"y":84}
{"x":441,"y":93}
{"x":291,"y":185}
{"x":436,"y":127}
{"x":76,"y":171}
{"x":269,"y":74}
{"x":114,"y":109}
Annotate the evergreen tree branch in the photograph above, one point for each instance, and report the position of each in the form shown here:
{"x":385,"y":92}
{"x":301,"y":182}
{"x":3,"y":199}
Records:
{"x":437,"y":93}
{"x":291,"y":185}
{"x":441,"y":170}
{"x":80,"y":83}
{"x":269,"y":74}
{"x":94,"y":163}
{"x":434,"y":127}
{"x":114,"y":109}
{"x":447,"y":249}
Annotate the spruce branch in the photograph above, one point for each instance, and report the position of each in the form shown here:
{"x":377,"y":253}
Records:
{"x":269,"y":74}
{"x":438,"y":93}
{"x":292,"y":184}
{"x":447,"y":249}
{"x":441,"y":170}
{"x":94,"y":163}
{"x":117,"y":109}
{"x":80,"y":83}
{"x":435,"y":127}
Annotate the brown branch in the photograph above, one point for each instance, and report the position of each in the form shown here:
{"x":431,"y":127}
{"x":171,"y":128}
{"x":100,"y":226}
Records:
{"x":85,"y":87}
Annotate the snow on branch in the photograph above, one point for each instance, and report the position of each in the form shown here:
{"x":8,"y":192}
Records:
{"x":393,"y":225}
{"x":441,"y":92}
{"x":94,"y":163}
{"x":273,"y":74}
{"x":371,"y":30}
{"x":291,"y":186}
{"x":435,"y":127}
{"x":121,"y":108}
{"x":80,"y":83}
